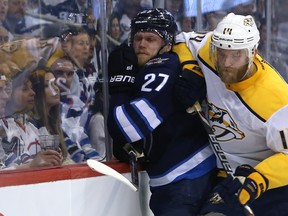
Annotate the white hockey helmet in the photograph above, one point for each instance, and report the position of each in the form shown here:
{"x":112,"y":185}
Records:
{"x":236,"y":32}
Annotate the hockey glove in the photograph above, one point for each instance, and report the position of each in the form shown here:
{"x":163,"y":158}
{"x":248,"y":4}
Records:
{"x":223,"y":199}
{"x":122,"y":68}
{"x":189,"y":88}
{"x":254,"y":184}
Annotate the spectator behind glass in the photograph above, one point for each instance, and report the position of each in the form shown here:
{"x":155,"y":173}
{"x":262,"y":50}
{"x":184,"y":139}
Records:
{"x":176,"y":8}
{"x":92,"y":66}
{"x":3,"y":14}
{"x":187,"y":23}
{"x":114,"y":31}
{"x":80,"y":47}
{"x":96,"y":130}
{"x":75,"y":11}
{"x":73,"y":115}
{"x":46,"y":112}
{"x":3,"y":9}
{"x":15,"y":14}
{"x":80,"y":53}
{"x":213,"y":18}
{"x":3,"y":100}
{"x":20,"y":24}
{"x":126,"y":10}
{"x":20,"y":140}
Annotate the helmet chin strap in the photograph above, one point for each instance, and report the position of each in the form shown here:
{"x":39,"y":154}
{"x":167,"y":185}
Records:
{"x":158,"y":53}
{"x":249,"y":72}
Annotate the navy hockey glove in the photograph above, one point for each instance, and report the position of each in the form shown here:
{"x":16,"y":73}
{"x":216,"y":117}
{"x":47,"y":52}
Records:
{"x":122,"y":68}
{"x":223,"y":199}
{"x":254,"y":184}
{"x":190,"y":88}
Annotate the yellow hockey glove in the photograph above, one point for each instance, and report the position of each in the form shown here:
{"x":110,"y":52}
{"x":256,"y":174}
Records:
{"x":254,"y":184}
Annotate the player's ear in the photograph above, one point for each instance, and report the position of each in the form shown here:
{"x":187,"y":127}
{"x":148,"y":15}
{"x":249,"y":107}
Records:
{"x":169,"y":47}
{"x":166,"y":48}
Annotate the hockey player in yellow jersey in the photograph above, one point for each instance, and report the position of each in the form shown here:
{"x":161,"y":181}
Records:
{"x":247,"y":108}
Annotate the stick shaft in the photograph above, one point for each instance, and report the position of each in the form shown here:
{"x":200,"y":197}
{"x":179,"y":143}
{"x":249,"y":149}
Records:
{"x":213,"y":141}
{"x":216,"y":146}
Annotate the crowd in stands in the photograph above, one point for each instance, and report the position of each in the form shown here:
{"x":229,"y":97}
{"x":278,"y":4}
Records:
{"x":50,"y":69}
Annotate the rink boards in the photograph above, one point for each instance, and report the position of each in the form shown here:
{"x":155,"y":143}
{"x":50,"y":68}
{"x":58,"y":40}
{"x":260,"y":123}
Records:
{"x":72,"y":190}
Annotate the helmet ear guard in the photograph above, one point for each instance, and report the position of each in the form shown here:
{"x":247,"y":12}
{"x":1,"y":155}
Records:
{"x":155,"y":20}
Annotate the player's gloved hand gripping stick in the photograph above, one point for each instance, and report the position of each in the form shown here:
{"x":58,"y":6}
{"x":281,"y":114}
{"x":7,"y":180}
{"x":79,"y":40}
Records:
{"x":216,"y":146}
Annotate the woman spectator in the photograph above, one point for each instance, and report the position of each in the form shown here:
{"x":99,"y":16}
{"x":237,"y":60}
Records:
{"x":46,"y":112}
{"x":114,"y":32}
{"x":20,"y":138}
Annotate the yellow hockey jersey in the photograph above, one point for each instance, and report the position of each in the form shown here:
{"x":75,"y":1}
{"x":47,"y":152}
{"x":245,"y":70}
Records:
{"x":249,"y":118}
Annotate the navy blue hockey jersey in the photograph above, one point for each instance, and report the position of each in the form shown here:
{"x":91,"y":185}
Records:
{"x":175,"y":143}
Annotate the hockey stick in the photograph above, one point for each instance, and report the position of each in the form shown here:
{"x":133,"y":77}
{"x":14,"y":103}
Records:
{"x":134,"y":155}
{"x":106,"y":170}
{"x":216,"y":146}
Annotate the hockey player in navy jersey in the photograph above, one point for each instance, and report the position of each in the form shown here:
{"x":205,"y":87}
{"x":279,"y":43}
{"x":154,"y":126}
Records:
{"x":143,"y":109}
{"x":247,"y":103}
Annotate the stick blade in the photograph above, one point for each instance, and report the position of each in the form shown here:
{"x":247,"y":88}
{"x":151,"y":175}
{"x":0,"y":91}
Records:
{"x":106,"y":170}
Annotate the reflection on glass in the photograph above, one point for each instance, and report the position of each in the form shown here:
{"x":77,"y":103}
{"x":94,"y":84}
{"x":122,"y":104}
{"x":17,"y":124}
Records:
{"x":38,"y":33}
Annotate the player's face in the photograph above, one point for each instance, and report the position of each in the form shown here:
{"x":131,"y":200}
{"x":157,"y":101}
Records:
{"x":231,"y":65}
{"x":146,"y":46}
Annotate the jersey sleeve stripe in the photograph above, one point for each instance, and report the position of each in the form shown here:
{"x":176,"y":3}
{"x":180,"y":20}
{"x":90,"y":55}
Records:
{"x":282,"y":135}
{"x":147,"y":112}
{"x":127,"y":126}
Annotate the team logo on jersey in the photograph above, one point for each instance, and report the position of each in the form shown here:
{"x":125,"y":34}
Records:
{"x":156,"y":61}
{"x":223,"y":125}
